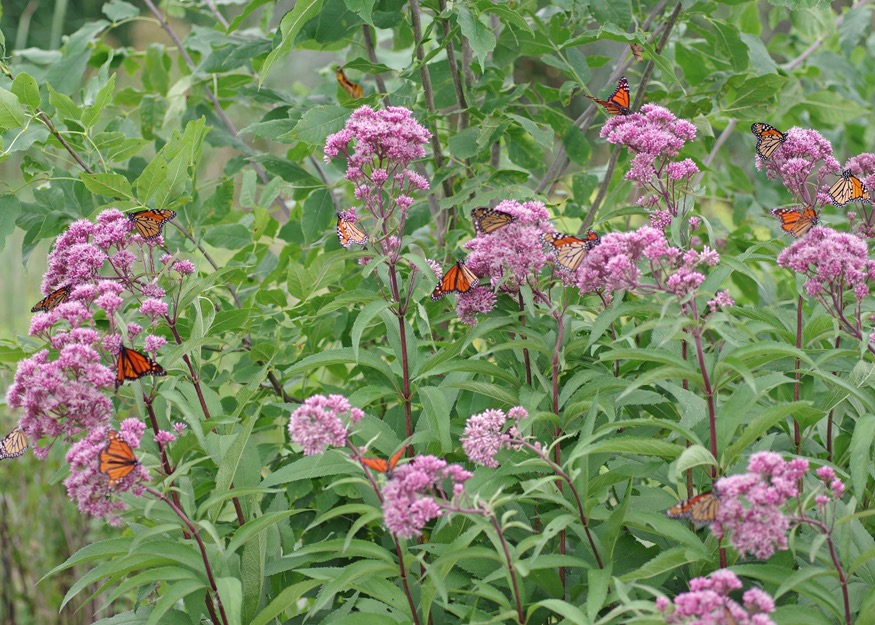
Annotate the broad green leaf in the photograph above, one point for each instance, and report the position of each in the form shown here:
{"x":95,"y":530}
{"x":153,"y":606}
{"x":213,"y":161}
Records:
{"x":10,"y":209}
{"x":290,"y":26}
{"x":90,"y":114}
{"x":110,"y":185}
{"x":317,"y":123}
{"x":118,"y":10}
{"x":478,"y":34}
{"x":25,"y":88}
{"x":11,"y":115}
{"x":861,"y":452}
{"x":231,"y":593}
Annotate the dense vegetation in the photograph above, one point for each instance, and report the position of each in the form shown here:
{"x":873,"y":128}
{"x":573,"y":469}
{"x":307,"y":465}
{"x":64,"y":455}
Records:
{"x":359,"y":311}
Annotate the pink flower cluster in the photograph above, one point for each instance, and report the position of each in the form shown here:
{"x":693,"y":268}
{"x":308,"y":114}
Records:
{"x":795,"y":162}
{"x":751,"y":504}
{"x":485,"y":435}
{"x":322,"y":422}
{"x":64,"y":396}
{"x":513,"y":254}
{"x":709,"y":603}
{"x":833,"y":261}
{"x":656,"y":136}
{"x":415,"y":494}
{"x":89,"y":487}
{"x":834,"y":486}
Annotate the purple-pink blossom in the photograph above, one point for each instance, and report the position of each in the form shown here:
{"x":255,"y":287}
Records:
{"x":722,"y":299}
{"x":485,"y":436}
{"x":417,"y":491}
{"x":751,"y":504}
{"x":797,"y":161}
{"x":322,"y":422}
{"x":477,"y":301}
{"x":391,"y":134}
{"x":709,"y":603}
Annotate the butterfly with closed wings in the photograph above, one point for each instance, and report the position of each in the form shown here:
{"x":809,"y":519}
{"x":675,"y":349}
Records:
{"x":132,"y":365}
{"x":620,"y":100}
{"x":149,"y":223}
{"x":769,"y":139}
{"x":848,"y":188}
{"x":13,"y":444}
{"x":354,"y":89}
{"x":117,"y":459}
{"x":701,"y":509}
{"x":53,"y":299}
{"x":348,"y":232}
{"x":569,"y":251}
{"x":488,"y":220}
{"x":381,"y":465}
{"x":796,"y":222}
{"x":458,"y":279}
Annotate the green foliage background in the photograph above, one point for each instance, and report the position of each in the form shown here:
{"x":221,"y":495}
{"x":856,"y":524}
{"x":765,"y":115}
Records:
{"x":261,"y":204}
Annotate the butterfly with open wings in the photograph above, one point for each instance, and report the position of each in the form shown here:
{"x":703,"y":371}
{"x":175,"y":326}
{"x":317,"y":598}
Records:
{"x":620,"y":100}
{"x":13,"y":444}
{"x":133,"y":365}
{"x":701,"y":509}
{"x":848,"y":188}
{"x":382,"y":465}
{"x":117,"y":459}
{"x":769,"y":139}
{"x":796,"y":222}
{"x":569,"y":251}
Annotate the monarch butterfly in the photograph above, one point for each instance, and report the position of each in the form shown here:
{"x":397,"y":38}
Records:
{"x":848,"y":188}
{"x":384,"y":466}
{"x":701,"y":509}
{"x":150,"y":222}
{"x":459,"y":279}
{"x":348,"y":232}
{"x":53,"y":299}
{"x":795,"y":222}
{"x":14,"y":444}
{"x":132,"y":365}
{"x":353,"y":89}
{"x":768,"y":137}
{"x":488,"y":220}
{"x":117,"y":459}
{"x":570,"y":251}
{"x":730,"y":620}
{"x":618,"y":103}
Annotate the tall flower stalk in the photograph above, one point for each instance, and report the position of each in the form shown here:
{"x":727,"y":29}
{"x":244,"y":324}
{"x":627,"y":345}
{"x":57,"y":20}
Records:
{"x":384,"y":145}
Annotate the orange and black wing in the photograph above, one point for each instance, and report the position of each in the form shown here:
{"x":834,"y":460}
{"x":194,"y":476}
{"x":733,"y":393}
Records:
{"x":459,"y":279}
{"x":795,"y":222}
{"x":353,"y":89}
{"x":348,"y":232}
{"x":701,"y":509}
{"x":384,"y":466}
{"x":53,"y":299}
{"x":132,"y":365}
{"x":117,"y":459}
{"x":14,"y":444}
{"x":149,"y":223}
{"x":848,"y":188}
{"x":569,"y":251}
{"x":768,"y":137}
{"x":488,"y":220}
{"x":618,"y":103}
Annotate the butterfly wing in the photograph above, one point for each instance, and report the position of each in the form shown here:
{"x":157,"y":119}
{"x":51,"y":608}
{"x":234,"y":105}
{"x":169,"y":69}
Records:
{"x":117,"y":459}
{"x":52,"y":300}
{"x":132,"y":365}
{"x":396,"y":457}
{"x":848,"y":188}
{"x":348,"y":232}
{"x":618,"y":103}
{"x":488,"y":220}
{"x":149,"y":223}
{"x":459,"y":279}
{"x":14,"y":444}
{"x":701,"y":509}
{"x":383,"y":466}
{"x":569,"y":251}
{"x":768,"y":137}
{"x":794,"y":222}
{"x":353,"y":89}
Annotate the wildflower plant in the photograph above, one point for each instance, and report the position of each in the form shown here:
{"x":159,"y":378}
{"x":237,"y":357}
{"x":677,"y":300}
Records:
{"x":624,"y":333}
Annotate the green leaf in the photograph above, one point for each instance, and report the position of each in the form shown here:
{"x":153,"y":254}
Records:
{"x":364,"y":318}
{"x":25,"y":88}
{"x":10,"y":209}
{"x":663,"y":563}
{"x":91,"y":114}
{"x":288,"y":597}
{"x":543,"y":135}
{"x":478,"y":34}
{"x":568,"y":612}
{"x":110,"y":185}
{"x":362,"y":8}
{"x":252,"y":575}
{"x":231,"y":594}
{"x":825,"y":108}
{"x":118,"y":10}
{"x":153,"y":175}
{"x":693,"y":456}
{"x":290,"y":26}
{"x":66,"y":108}
{"x":618,"y":12}
{"x":860,"y":452}
{"x":317,"y":123}
{"x":228,"y":236}
{"x":251,"y":6}
{"x":254,"y":527}
{"x":170,"y":595}
{"x":636,"y":445}
{"x":11,"y":115}
{"x":173,"y":185}
{"x":319,"y":215}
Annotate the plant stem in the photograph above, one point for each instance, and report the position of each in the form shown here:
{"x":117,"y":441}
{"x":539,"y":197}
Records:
{"x":153,"y":420}
{"x":709,"y":395}
{"x":515,"y":588}
{"x":558,"y":470}
{"x":829,"y":421}
{"x":526,"y":360}
{"x":454,"y":69}
{"x":400,"y":312}
{"x":843,"y":580}
{"x":200,"y":543}
{"x":797,"y":432}
{"x":372,"y":57}
{"x":557,"y":451}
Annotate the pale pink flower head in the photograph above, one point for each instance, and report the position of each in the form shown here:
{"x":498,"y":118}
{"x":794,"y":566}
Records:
{"x":322,"y":422}
{"x":833,"y":484}
{"x":833,"y":262}
{"x":722,"y":299}
{"x":89,"y":487}
{"x":796,"y":161}
{"x":477,"y":301}
{"x":751,"y":504}
{"x":614,"y":263}
{"x":416,"y":492}
{"x":485,"y":436}
{"x":513,"y":254}
{"x":709,"y":603}
{"x":391,"y":134}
